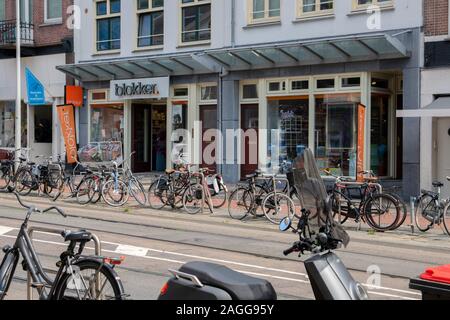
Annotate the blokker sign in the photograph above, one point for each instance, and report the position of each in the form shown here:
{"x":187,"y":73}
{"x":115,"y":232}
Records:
{"x":150,"y":88}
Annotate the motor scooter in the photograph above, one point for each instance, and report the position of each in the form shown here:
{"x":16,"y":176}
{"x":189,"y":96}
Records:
{"x":330,"y":279}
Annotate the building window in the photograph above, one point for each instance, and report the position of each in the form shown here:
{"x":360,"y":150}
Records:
{"x":8,"y":124}
{"x":43,"y":124}
{"x":298,"y":85}
{"x":288,"y":135}
{"x":352,"y":82}
{"x":264,"y":11}
{"x":249,"y":91}
{"x":364,"y":4}
{"x":53,"y":11}
{"x":325,"y":83}
{"x":107,"y":123}
{"x":151,"y":23}
{"x":2,"y":10}
{"x":108,"y":25}
{"x":315,"y":7}
{"x":181,"y":92}
{"x":196,"y":20}
{"x":336,"y":133}
{"x":208,"y":93}
{"x":380,"y":128}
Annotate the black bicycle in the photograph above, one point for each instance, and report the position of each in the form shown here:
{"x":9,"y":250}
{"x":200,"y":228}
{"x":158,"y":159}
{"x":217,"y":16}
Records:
{"x":78,"y":278}
{"x":363,"y":202}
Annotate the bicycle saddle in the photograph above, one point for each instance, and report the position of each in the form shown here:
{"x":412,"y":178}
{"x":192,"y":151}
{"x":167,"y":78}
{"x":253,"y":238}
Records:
{"x":77,"y":236}
{"x":170,"y":171}
{"x":438,"y":184}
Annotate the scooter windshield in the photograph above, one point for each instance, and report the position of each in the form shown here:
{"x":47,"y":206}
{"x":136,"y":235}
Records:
{"x":313,"y":196}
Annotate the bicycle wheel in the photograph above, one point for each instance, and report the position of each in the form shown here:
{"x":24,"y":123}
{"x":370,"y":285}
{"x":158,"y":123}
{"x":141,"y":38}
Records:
{"x":446,"y":219}
{"x":193,"y":199}
{"x":259,"y":196}
{"x":220,"y":198}
{"x":53,"y":185}
{"x":137,"y":191}
{"x":239,"y":203}
{"x":426,"y":209}
{"x":278,"y":206}
{"x":93,"y":281}
{"x":24,"y":182}
{"x":7,"y":270}
{"x":84,"y":191}
{"x":339,"y":208}
{"x":115,"y":193}
{"x":403,"y":210}
{"x":157,"y":195}
{"x":381,"y":212}
{"x":5,"y":177}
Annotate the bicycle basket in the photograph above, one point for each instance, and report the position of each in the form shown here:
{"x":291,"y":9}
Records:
{"x":313,"y":195}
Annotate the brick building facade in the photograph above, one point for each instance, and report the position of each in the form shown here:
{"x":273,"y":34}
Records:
{"x":436,"y":17}
{"x":47,"y":41}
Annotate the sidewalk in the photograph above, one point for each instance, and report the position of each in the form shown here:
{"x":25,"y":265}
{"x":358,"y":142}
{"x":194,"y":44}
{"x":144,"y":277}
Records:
{"x":221,"y":223}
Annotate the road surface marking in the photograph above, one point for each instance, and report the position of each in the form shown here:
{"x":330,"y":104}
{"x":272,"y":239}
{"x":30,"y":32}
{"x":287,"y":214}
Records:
{"x":138,"y":252}
{"x":370,"y":287}
{"x":218,"y":260}
{"x":131,"y":250}
{"x":390,"y":295}
{"x":5,"y":230}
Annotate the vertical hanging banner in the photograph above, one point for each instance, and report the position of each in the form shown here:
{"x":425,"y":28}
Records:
{"x":360,"y":156}
{"x":67,"y":121}
{"x":35,"y":89}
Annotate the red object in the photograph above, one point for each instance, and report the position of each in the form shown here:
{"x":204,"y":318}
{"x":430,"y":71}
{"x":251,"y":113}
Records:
{"x":437,"y":274}
{"x":74,"y":95}
{"x":164,"y":289}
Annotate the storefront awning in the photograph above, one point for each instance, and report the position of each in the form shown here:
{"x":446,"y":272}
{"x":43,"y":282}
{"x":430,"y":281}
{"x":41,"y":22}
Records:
{"x":439,"y":108}
{"x":331,"y":50}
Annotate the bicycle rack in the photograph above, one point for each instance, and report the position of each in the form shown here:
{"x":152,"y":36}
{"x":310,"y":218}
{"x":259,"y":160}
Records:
{"x":413,"y":214}
{"x":97,"y":249}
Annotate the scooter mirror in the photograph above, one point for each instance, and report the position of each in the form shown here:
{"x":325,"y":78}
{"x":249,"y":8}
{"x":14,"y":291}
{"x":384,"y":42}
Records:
{"x":285,"y":224}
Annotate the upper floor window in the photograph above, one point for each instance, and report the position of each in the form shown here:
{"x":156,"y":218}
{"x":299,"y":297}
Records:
{"x":315,"y":7}
{"x":264,"y":10}
{"x":53,"y":11}
{"x":151,"y":23}
{"x":196,"y":20}
{"x":363,"y":4}
{"x":2,"y":10}
{"x":108,"y":25}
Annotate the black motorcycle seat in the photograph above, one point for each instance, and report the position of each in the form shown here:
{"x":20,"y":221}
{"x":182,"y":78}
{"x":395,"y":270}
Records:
{"x":239,"y":286}
{"x":77,"y":236}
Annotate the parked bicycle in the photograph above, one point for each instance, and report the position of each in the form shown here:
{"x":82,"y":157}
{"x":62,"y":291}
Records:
{"x":79,"y":277}
{"x":432,"y":210}
{"x":380,"y":211}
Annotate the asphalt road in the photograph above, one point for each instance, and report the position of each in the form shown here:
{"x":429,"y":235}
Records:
{"x":155,"y":241}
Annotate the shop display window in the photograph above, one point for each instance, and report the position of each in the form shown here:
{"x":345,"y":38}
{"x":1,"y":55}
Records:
{"x":107,"y":123}
{"x":7,"y":124}
{"x":288,"y":121}
{"x":379,"y":147}
{"x":336,"y":133}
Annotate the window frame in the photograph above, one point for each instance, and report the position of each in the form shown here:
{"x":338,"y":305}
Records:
{"x":3,"y":10}
{"x":108,"y":15}
{"x":315,"y":13}
{"x":48,"y":20}
{"x":194,"y":3}
{"x":382,"y":4}
{"x":149,"y":10}
{"x":267,"y":19}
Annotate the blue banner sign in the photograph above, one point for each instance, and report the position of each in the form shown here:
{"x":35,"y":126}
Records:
{"x":35,"y":89}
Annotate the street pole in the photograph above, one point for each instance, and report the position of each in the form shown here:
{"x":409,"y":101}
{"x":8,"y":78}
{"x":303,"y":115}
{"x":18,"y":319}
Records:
{"x":19,"y":83}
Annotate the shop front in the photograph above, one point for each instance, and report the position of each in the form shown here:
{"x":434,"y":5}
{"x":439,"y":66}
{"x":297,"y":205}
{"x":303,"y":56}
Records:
{"x":320,"y":113}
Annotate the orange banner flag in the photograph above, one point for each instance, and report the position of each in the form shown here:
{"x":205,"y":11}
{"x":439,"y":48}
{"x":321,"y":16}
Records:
{"x":67,"y":121}
{"x":360,"y":156}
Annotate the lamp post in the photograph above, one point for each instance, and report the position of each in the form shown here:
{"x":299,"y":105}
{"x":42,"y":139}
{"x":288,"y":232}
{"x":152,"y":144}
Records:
{"x":18,"y":125}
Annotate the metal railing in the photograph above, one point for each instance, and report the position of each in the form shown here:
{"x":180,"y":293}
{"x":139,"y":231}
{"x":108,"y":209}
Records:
{"x":8,"y":33}
{"x":97,"y":249}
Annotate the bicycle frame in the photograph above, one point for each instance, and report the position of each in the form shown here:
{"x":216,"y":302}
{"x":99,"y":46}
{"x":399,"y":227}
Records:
{"x":24,"y":247}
